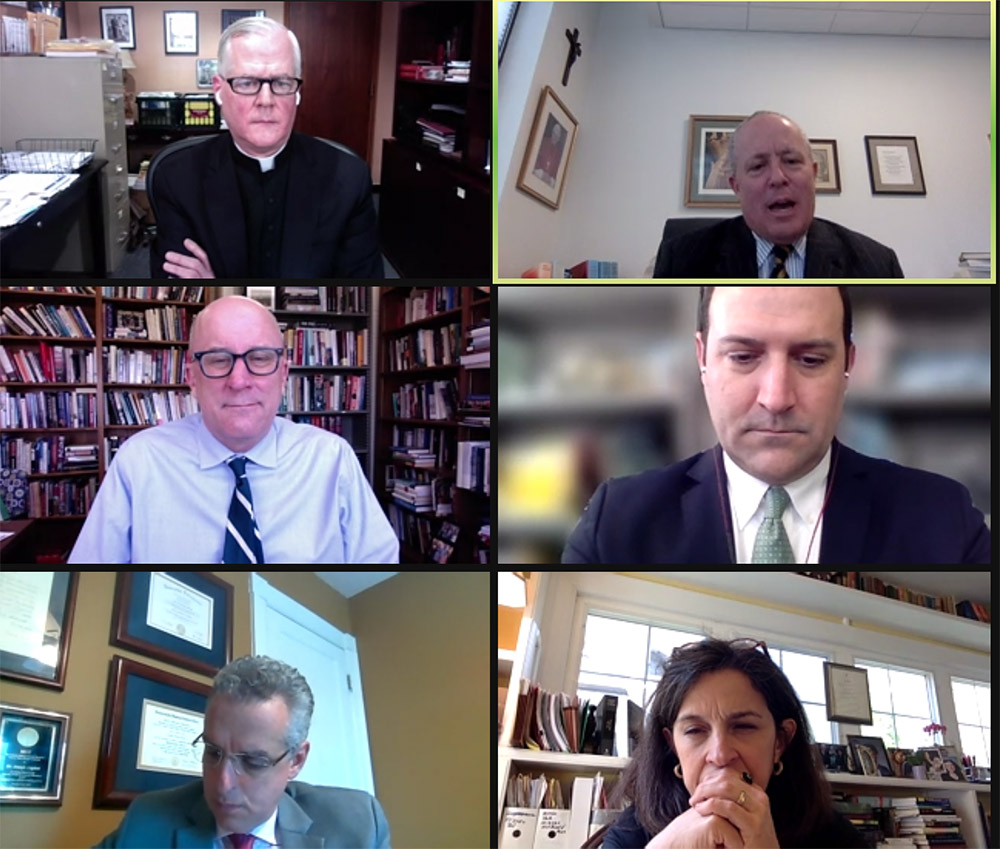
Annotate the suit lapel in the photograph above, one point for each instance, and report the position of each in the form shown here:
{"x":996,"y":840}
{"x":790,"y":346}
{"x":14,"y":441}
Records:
{"x":302,"y":209}
{"x":293,"y":824}
{"x":738,"y":253}
{"x":201,"y":832}
{"x":823,"y":258}
{"x":706,"y":511}
{"x":845,"y":523}
{"x":225,"y":210}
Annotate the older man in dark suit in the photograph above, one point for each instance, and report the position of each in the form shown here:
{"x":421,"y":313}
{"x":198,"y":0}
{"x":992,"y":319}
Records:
{"x":774,"y":176}
{"x":262,"y":201}
{"x":775,"y":363}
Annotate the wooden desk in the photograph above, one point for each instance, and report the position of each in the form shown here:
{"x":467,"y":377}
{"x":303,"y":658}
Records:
{"x":63,"y":238}
{"x":14,"y":550}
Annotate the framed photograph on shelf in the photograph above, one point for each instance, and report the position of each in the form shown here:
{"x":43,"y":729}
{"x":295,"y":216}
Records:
{"x":184,"y":618}
{"x":894,"y":165}
{"x":870,"y":755}
{"x":205,"y":69}
{"x":38,"y":607}
{"x":824,"y":153}
{"x":550,"y":146}
{"x":151,"y":719}
{"x":708,"y":161}
{"x":933,"y":762}
{"x":847,"y":698}
{"x":180,"y":32}
{"x":33,"y":747}
{"x":118,"y":25}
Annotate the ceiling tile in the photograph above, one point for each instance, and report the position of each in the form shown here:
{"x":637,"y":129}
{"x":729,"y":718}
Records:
{"x":874,"y":23}
{"x":705,"y":15}
{"x":953,"y":26}
{"x":790,"y":20}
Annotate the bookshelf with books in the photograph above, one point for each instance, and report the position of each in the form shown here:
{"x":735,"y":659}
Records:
{"x":328,"y":336}
{"x":83,"y":368}
{"x":423,"y":390}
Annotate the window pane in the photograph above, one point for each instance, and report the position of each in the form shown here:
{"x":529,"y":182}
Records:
{"x":611,"y":645}
{"x":966,"y":706}
{"x":592,"y":686}
{"x":974,"y":744}
{"x":821,"y":727}
{"x":983,"y":698}
{"x":805,"y":671}
{"x":878,"y":687}
{"x":662,"y":641}
{"x":909,"y":693}
{"x":882,"y":727}
{"x":911,"y":732}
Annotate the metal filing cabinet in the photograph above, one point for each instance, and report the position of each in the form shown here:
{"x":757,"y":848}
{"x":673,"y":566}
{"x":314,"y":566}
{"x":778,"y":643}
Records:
{"x":57,"y":97}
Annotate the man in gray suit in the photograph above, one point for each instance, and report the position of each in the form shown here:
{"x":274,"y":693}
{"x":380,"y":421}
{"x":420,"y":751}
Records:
{"x":256,"y":725}
{"x":773,"y":174}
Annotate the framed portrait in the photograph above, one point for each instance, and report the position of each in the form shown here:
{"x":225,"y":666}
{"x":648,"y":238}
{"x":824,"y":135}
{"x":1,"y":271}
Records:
{"x":933,"y":762}
{"x":151,"y":719}
{"x":37,"y":611}
{"x":870,"y":756}
{"x":118,"y":25}
{"x":708,"y":161}
{"x":263,"y":295}
{"x":550,"y":146}
{"x":231,"y":16}
{"x":184,"y":618}
{"x":824,"y":153}
{"x":847,"y":698}
{"x":894,"y":165}
{"x":180,"y":32}
{"x":899,"y":760}
{"x":32,"y":755}
{"x":205,"y":69}
{"x":833,"y":756}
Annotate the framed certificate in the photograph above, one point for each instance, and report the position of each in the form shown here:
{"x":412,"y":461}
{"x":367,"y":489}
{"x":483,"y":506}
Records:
{"x":150,"y":720}
{"x":847,"y":698}
{"x":32,"y":755}
{"x":36,"y":618}
{"x":184,"y":618}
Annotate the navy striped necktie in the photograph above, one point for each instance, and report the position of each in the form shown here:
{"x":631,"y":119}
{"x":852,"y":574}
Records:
{"x":242,"y":536}
{"x":780,"y":254}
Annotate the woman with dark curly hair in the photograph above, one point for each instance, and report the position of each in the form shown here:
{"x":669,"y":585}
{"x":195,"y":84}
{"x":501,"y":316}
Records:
{"x":726,"y":760}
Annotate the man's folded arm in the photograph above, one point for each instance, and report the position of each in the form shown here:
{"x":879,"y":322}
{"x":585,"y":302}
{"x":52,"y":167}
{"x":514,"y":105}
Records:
{"x":582,"y":544}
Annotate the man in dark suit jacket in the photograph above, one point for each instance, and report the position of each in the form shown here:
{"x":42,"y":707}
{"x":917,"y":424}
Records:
{"x":728,"y":249}
{"x":878,"y":513}
{"x":254,"y":743}
{"x":328,"y":228}
{"x":773,"y":175}
{"x":261,"y":201}
{"x":779,"y":488}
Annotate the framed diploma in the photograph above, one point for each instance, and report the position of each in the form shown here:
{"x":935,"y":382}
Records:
{"x":36,"y":618}
{"x":894,"y":165}
{"x":847,"y":698}
{"x":32,"y":755}
{"x":184,"y":618}
{"x":150,"y":720}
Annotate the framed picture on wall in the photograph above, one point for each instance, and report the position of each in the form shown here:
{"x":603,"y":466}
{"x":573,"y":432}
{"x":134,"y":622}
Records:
{"x":118,"y":25}
{"x":824,"y":153}
{"x":894,"y":165}
{"x":847,"y":695}
{"x":708,"y":161}
{"x":550,"y":146}
{"x":231,"y":16}
{"x":180,"y":32}
{"x":33,"y":746}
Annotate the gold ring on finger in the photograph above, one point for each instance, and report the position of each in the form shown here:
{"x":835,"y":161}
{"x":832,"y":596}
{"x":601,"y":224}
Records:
{"x":742,"y":799}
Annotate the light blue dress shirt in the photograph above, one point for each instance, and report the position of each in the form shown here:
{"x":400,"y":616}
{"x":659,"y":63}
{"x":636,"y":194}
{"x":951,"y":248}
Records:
{"x":795,"y":265}
{"x":166,"y":497}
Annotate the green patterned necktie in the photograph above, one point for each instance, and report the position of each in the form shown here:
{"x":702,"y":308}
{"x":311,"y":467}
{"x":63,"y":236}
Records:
{"x":771,"y":544}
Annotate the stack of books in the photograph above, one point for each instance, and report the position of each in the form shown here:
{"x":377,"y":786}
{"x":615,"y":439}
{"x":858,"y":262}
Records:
{"x":457,"y":71}
{"x":437,"y":135}
{"x":477,"y":351}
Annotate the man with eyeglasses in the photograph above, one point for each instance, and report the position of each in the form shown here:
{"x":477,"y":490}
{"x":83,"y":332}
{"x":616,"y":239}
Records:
{"x":235,"y":483}
{"x":260,"y":200}
{"x":254,"y":744}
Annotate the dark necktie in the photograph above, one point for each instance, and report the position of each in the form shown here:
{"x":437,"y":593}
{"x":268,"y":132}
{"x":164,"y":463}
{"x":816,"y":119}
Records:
{"x":780,"y":254}
{"x":242,"y":537}
{"x":240,"y":841}
{"x":771,"y":544}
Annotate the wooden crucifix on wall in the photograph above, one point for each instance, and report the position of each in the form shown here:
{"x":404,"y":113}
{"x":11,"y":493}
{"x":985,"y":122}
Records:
{"x":574,"y":50}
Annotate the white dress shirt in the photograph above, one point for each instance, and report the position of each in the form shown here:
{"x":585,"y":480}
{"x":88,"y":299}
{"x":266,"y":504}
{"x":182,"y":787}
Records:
{"x":803,"y":516}
{"x":166,"y":496}
{"x":264,"y":834}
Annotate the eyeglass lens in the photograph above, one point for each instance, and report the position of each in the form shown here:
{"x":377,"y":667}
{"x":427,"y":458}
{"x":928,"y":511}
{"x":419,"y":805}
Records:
{"x":251,"y":85}
{"x":260,"y":361}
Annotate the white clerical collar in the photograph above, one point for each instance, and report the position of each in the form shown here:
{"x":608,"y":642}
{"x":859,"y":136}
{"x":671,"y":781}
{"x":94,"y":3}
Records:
{"x":266,"y":162}
{"x":806,"y":493}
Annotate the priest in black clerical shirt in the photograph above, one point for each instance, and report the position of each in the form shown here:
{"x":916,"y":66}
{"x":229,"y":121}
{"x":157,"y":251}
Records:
{"x":260,"y":200}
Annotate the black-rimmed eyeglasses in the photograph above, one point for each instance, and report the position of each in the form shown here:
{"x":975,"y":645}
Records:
{"x":282,"y":86}
{"x":259,"y":361}
{"x":244,"y":764}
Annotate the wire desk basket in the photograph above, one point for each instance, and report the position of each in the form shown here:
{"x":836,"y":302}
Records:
{"x":47,"y":156}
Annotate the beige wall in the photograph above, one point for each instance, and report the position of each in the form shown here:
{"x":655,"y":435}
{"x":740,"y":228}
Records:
{"x":423,"y":643}
{"x":424,"y":640}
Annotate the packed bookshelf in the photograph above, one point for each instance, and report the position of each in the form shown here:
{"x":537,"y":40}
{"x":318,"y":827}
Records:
{"x":433,"y":449}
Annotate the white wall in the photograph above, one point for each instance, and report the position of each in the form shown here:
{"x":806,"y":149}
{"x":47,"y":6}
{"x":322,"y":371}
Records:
{"x":634,"y":87}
